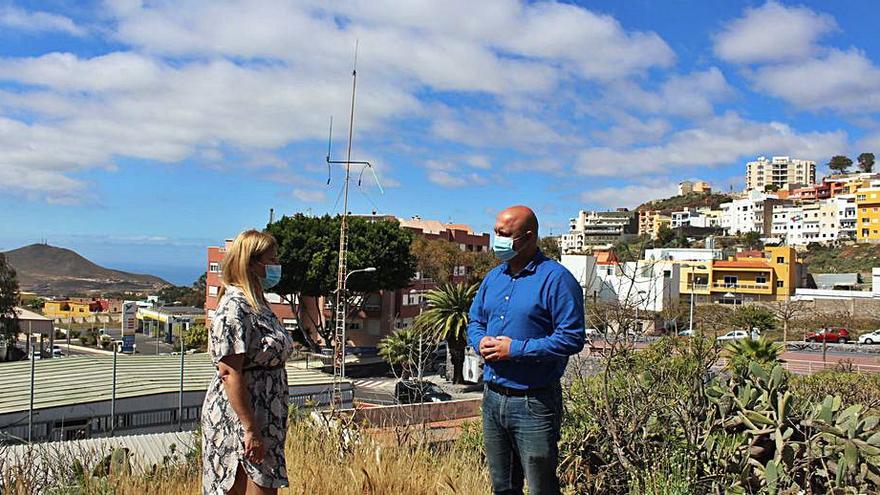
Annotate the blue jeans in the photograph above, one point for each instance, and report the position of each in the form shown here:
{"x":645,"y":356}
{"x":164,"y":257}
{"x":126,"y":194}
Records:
{"x":521,"y":436}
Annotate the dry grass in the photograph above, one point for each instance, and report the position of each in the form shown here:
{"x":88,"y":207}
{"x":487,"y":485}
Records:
{"x":318,"y":462}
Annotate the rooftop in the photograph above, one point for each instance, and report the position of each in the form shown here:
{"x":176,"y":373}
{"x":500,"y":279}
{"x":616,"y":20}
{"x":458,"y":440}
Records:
{"x":741,"y":264}
{"x":24,"y":314}
{"x":81,"y":379}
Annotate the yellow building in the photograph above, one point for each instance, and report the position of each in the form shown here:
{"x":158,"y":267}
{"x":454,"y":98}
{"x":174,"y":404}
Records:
{"x":66,"y":309}
{"x":868,"y":214}
{"x":659,"y":221}
{"x":772,"y":276}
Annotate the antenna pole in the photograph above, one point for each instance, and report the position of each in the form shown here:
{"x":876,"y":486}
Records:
{"x":341,"y":289}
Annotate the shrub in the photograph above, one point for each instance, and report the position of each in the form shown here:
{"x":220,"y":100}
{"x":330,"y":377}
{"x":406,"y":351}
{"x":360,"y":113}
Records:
{"x":851,"y":387}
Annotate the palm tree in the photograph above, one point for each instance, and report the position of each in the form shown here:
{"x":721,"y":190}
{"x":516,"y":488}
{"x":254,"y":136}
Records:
{"x":447,"y":319}
{"x":742,"y":352}
{"x":401,"y":348}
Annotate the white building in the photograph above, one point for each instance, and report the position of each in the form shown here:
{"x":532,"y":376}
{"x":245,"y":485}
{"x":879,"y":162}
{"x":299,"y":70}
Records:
{"x":746,"y":214}
{"x":598,"y":230}
{"x":691,"y":217}
{"x":649,"y":285}
{"x":821,"y":222}
{"x":780,"y":171}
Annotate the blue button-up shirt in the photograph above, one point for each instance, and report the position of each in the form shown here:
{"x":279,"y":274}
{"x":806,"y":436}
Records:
{"x":541,"y":309}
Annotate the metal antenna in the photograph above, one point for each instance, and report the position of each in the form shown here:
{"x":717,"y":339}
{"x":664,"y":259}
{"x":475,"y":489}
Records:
{"x":342,"y":271}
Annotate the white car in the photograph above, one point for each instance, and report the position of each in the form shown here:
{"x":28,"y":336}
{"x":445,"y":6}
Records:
{"x":687,"y":333}
{"x":734,"y":335}
{"x":870,"y":338}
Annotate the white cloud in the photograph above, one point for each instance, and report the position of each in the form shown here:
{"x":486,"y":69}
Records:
{"x":629,"y":196}
{"x":845,"y":81}
{"x":205,"y":76}
{"x":309,"y":195}
{"x":478,"y":161}
{"x":720,"y":141}
{"x":691,"y":95}
{"x":23,"y":20}
{"x":773,"y":32}
{"x":445,"y":179}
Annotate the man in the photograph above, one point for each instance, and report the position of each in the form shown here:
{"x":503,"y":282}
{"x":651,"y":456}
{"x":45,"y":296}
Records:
{"x":526,"y":319}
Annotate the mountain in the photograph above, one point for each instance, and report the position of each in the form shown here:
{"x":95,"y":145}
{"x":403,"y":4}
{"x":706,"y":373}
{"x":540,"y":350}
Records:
{"x":51,"y":270}
{"x":692,"y":200}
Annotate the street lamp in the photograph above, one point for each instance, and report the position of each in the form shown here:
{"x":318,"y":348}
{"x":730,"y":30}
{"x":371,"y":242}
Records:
{"x":693,"y":289}
{"x":344,"y":310}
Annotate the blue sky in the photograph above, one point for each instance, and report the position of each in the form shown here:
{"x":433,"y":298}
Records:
{"x":138,"y":133}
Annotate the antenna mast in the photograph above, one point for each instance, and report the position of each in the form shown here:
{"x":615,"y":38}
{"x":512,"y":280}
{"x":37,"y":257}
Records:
{"x":340,"y":305}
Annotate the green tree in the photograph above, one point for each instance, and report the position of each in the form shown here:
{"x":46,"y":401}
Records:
{"x":308,"y":250}
{"x":36,"y":304}
{"x":436,"y":258}
{"x":771,"y":188}
{"x":8,"y":300}
{"x":550,"y":247}
{"x":447,"y":319}
{"x":665,"y":236}
{"x":408,"y":348}
{"x":751,"y":239}
{"x":742,"y":352}
{"x":752,"y":316}
{"x":839,"y":163}
{"x":866,"y":162}
{"x":479,"y":263}
{"x":196,"y":337}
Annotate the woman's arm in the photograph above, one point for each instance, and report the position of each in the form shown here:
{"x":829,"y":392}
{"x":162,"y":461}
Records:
{"x":230,"y":368}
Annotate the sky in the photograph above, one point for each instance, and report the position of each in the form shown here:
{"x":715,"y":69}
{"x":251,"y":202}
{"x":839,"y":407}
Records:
{"x":140,"y":132}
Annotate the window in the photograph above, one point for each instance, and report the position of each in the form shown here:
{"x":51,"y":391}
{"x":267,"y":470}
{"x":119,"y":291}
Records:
{"x":730,"y":280}
{"x":214,"y":267}
{"x":212,"y":290}
{"x":761,"y":279}
{"x":459,"y":271}
{"x":780,"y":259}
{"x":780,"y":283}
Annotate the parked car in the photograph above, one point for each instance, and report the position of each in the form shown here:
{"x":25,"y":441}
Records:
{"x":56,"y":351}
{"x":414,"y":392}
{"x":870,"y":338}
{"x":733,"y":335}
{"x":686,"y":333}
{"x":834,"y":335}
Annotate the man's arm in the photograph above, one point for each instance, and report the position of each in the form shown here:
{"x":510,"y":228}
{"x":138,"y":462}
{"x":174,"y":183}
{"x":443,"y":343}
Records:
{"x":476,"y":318}
{"x":567,"y":311}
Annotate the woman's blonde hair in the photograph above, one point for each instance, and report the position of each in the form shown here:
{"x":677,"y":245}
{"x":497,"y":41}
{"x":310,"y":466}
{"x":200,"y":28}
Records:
{"x":247,"y":247}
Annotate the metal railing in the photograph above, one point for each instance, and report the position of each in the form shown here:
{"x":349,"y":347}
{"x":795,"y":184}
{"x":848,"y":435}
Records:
{"x":802,"y":367}
{"x":738,"y":285}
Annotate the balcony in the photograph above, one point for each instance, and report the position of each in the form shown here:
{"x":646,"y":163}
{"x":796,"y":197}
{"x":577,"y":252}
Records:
{"x":742,"y":286}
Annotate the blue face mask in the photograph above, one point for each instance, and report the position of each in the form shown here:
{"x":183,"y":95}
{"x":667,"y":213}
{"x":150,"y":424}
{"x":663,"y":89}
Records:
{"x":503,"y":247}
{"x":273,"y":276}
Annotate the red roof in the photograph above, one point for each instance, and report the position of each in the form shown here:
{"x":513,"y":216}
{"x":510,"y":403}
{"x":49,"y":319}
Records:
{"x":605,"y":258}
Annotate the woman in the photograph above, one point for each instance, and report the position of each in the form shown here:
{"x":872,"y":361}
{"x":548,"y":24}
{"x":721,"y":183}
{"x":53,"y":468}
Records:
{"x":244,"y":417}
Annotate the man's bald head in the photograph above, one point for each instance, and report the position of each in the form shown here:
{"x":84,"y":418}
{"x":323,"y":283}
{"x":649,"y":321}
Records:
{"x":516,"y":221}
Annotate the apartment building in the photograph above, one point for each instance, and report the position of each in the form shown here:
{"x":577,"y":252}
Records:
{"x":690,"y":187}
{"x":704,"y":218}
{"x":779,"y":171}
{"x":868,"y":214}
{"x":770,"y":276}
{"x":598,"y":230}
{"x":753,"y":213}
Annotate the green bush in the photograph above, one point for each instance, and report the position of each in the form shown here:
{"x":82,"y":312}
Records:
{"x":851,"y":387}
{"x":656,"y":421}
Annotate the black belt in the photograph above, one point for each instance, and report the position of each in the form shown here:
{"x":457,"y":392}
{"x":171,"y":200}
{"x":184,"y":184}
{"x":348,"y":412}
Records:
{"x":518,"y":392}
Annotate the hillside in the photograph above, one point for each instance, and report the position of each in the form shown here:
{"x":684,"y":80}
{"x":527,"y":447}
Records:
{"x":52,"y":270}
{"x":858,"y":258}
{"x":693,"y":200}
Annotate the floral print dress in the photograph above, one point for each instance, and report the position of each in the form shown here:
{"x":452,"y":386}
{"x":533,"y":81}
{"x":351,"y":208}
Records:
{"x":238,"y":329}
